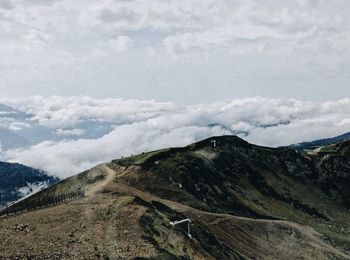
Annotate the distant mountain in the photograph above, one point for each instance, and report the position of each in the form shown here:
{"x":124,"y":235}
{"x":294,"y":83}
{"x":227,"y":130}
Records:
{"x":17,"y":181}
{"x":244,"y":202}
{"x":6,"y":108}
{"x":322,"y":142}
{"x":19,"y":129}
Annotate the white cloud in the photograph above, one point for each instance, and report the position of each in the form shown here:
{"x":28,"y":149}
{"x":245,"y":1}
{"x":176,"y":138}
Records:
{"x":64,"y":112}
{"x":139,"y":126}
{"x":59,"y":47}
{"x":16,"y":126}
{"x":345,"y":121}
{"x":120,"y":43}
{"x":184,"y":25}
{"x":12,"y":124}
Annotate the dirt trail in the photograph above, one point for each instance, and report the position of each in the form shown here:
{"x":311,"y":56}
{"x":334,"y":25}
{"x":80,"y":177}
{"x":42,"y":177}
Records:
{"x":109,"y":176}
{"x":110,"y":222}
{"x":227,"y":227}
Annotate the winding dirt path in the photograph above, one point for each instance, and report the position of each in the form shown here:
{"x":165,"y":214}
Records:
{"x":241,"y":232}
{"x":109,"y":176}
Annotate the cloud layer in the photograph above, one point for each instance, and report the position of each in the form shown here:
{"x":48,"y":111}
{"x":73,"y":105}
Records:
{"x":148,"y":49}
{"x":136,"y":126}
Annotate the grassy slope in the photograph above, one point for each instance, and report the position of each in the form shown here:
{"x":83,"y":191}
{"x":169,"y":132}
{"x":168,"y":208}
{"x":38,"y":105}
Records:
{"x":242,"y":179}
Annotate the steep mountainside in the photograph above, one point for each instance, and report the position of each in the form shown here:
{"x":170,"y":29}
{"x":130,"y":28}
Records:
{"x":244,"y":201}
{"x":17,"y":180}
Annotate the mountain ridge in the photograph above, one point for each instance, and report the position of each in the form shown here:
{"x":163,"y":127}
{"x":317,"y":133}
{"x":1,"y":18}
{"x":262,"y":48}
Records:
{"x":321,"y":142}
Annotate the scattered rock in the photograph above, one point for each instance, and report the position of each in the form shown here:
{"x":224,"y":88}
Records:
{"x":23,"y":228}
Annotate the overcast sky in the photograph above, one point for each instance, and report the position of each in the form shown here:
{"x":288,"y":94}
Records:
{"x":185,"y":51}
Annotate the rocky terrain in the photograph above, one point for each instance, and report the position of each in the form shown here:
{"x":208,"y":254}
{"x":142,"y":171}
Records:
{"x":244,"y":201}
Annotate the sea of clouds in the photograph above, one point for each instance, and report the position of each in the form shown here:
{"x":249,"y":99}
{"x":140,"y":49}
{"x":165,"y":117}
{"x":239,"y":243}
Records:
{"x":69,"y":138}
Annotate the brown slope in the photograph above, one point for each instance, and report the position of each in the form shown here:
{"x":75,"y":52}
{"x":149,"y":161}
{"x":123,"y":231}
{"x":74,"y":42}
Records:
{"x":119,"y":220}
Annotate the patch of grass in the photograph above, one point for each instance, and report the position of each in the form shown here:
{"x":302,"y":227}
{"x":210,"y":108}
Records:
{"x":332,"y":148}
{"x":140,"y":158}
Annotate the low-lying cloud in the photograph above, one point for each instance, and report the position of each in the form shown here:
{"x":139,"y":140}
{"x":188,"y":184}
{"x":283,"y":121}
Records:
{"x":138,"y":126}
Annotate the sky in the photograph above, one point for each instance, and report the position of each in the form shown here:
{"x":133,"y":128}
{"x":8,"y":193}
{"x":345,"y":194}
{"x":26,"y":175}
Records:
{"x":184,"y":51}
{"x":86,"y":81}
